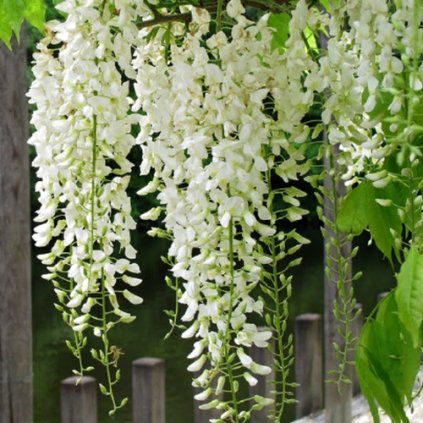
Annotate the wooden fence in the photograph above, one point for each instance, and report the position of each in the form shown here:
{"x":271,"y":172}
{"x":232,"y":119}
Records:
{"x":79,"y":402}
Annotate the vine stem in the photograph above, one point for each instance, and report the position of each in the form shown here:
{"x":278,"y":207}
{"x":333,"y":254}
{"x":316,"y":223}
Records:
{"x":105,"y":340}
{"x":174,"y":322}
{"x":226,"y":347}
{"x":93,"y":194}
{"x":279,"y":315}
{"x":219,"y":11}
{"x":77,"y":352}
{"x":158,"y":19}
{"x":410,"y":102}
{"x":342,"y":278}
{"x":106,"y":344}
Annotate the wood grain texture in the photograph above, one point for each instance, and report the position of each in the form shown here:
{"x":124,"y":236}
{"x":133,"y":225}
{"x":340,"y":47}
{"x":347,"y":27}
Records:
{"x":78,"y":400}
{"x":15,"y":274}
{"x":148,"y":390}
{"x":308,"y":364}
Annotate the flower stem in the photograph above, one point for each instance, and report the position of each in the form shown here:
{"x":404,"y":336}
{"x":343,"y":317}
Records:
{"x":228,"y":330}
{"x":219,"y":11}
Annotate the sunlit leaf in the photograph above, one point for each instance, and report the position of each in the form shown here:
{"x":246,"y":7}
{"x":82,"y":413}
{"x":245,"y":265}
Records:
{"x":327,"y":4}
{"x":14,"y":11}
{"x":280,"y":23}
{"x":5,"y":28}
{"x":35,"y":13}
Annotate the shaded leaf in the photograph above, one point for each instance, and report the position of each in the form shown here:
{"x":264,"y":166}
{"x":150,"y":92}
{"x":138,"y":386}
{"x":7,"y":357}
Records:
{"x":352,"y":217}
{"x":387,"y":362}
{"x":359,"y":210}
{"x":381,"y":221}
{"x":409,"y":294}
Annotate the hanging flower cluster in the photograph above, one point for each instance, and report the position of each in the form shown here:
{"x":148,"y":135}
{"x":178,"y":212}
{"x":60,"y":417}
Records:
{"x":82,"y":139}
{"x":370,"y":78}
{"x":381,"y":141}
{"x":222,"y":118}
{"x":374,"y":77}
{"x":223,"y":115}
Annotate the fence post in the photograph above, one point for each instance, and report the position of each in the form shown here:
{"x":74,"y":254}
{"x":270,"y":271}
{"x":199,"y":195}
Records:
{"x":148,"y":390}
{"x":356,"y":330}
{"x":264,"y":386}
{"x":15,"y":242}
{"x":78,"y":400}
{"x":308,"y":363}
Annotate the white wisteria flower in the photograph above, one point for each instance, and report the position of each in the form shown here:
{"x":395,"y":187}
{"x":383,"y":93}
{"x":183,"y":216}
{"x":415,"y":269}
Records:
{"x":82,"y":138}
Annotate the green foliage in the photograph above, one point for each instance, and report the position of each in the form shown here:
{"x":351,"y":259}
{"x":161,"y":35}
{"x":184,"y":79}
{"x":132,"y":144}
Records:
{"x":387,"y":362}
{"x":280,"y":23}
{"x":14,"y":12}
{"x":352,"y":217}
{"x":360,"y":210}
{"x":35,"y":13}
{"x":409,"y":294}
{"x":330,"y":4}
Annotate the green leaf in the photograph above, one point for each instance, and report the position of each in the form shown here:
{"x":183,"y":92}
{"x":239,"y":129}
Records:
{"x":387,"y":362}
{"x":5,"y":28}
{"x":352,"y":217}
{"x":360,"y":210}
{"x":311,"y":39}
{"x":381,"y":221}
{"x":35,"y":11}
{"x":14,"y":11}
{"x":327,"y":4}
{"x":409,"y":294}
{"x":280,"y":23}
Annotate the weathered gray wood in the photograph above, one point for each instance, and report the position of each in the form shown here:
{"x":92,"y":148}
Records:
{"x":148,"y":390}
{"x":15,"y":256}
{"x":264,"y":386}
{"x":78,"y":400}
{"x":308,"y":363}
{"x":356,"y":330}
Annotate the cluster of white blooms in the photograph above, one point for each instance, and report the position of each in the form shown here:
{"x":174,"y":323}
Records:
{"x":82,"y":139}
{"x":213,"y":144}
{"x":222,"y":129}
{"x":363,"y":75}
{"x":372,"y":77}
